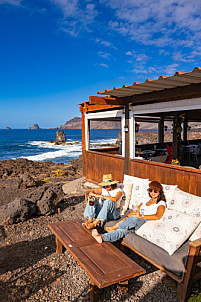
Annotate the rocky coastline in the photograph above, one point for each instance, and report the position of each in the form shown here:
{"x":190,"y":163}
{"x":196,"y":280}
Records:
{"x":33,"y":194}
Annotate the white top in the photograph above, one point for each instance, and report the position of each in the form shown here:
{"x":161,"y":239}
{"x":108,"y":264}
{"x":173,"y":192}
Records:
{"x":152,"y":209}
{"x":112,"y":193}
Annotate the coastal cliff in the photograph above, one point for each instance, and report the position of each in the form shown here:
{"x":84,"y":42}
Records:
{"x":76,"y":123}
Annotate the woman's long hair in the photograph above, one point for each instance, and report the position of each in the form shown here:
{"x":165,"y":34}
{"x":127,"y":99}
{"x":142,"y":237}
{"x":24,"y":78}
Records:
{"x":161,"y":196}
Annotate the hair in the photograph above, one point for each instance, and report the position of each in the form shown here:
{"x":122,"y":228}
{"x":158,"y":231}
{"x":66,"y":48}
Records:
{"x":112,"y":186}
{"x":161,"y":196}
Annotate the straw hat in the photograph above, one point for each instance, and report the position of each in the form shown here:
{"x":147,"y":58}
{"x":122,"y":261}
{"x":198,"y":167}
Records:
{"x":108,"y":180}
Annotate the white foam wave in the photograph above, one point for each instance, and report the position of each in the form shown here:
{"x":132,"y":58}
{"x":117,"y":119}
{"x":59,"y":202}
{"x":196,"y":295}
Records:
{"x":43,"y":144}
{"x":52,"y":155}
{"x":103,"y":141}
{"x":65,"y":150}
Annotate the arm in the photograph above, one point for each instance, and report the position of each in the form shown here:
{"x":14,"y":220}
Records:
{"x":157,"y":216}
{"x":96,"y":192}
{"x":114,"y":199}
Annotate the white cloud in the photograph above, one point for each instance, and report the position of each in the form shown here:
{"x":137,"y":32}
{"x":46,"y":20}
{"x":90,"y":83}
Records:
{"x":103,"y":42}
{"x":171,"y":69}
{"x":77,"y":15}
{"x":103,"y":65}
{"x":137,"y":57}
{"x":11,"y":2}
{"x":104,"y":55}
{"x":160,"y":23}
{"x":179,"y":57}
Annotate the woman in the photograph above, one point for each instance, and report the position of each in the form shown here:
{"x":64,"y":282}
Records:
{"x":106,"y":203}
{"x":149,"y":210}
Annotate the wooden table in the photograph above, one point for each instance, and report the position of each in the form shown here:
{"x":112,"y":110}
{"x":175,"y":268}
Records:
{"x":104,"y":263}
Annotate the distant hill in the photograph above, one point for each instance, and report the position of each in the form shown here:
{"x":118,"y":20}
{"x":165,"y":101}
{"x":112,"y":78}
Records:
{"x":76,"y":123}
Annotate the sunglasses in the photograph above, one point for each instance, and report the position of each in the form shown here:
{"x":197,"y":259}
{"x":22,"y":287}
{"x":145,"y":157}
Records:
{"x":152,"y":190}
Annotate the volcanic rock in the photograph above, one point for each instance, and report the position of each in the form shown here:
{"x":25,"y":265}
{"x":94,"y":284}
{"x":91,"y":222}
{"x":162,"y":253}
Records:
{"x":74,"y":187}
{"x":60,"y":138}
{"x":27,"y":181}
{"x":18,"y":210}
{"x":46,"y":203}
{"x":35,"y":126}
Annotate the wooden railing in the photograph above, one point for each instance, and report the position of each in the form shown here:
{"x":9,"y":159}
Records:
{"x":187,"y":179}
{"x":95,"y":164}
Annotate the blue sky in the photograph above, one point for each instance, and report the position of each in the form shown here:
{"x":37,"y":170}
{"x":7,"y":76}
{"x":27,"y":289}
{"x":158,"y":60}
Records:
{"x":55,"y":53}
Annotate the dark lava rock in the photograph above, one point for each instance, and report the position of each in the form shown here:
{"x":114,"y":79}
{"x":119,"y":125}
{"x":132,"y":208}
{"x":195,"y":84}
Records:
{"x":60,"y":138}
{"x":27,"y":181}
{"x":18,"y":210}
{"x":46,"y":204}
{"x":35,"y":126}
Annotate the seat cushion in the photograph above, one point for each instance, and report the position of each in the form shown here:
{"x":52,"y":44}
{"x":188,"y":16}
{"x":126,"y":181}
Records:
{"x":174,"y":263}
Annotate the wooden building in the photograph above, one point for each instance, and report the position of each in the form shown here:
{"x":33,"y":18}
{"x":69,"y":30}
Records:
{"x":176,"y":98}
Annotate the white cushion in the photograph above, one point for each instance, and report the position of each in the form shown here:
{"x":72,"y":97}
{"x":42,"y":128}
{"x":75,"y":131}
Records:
{"x":139,"y":192}
{"x":129,"y":179}
{"x":186,"y":203}
{"x":169,"y":192}
{"x":196,"y":234}
{"x":171,"y":231}
{"x":127,"y":190}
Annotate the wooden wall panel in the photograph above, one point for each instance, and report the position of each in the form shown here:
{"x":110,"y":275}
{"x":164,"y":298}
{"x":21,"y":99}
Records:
{"x":96,"y":164}
{"x":188,"y":180}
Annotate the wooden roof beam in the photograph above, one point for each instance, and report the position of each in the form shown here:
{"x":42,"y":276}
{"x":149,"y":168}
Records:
{"x":105,"y":100}
{"x":95,"y":107}
{"x":178,"y":93}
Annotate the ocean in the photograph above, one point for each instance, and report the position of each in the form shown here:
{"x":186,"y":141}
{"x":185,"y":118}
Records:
{"x":35,"y":144}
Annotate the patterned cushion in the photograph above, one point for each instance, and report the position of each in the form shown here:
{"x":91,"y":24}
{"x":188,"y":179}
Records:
{"x":196,"y":234}
{"x":171,"y":231}
{"x":169,"y":192}
{"x":186,"y":203}
{"x":127,"y":190}
{"x":139,"y":192}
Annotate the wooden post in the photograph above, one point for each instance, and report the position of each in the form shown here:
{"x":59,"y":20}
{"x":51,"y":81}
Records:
{"x":176,"y":147}
{"x":123,"y":286}
{"x":83,"y":132}
{"x":58,"y":246}
{"x":127,"y":145}
{"x":185,"y":127}
{"x":94,"y":291}
{"x":161,"y":130}
{"x":183,"y":289}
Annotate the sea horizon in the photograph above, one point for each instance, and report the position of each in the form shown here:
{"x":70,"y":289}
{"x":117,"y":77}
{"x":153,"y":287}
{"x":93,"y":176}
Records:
{"x":35,"y":144}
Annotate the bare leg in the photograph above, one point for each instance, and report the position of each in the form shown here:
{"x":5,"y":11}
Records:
{"x":92,"y":225}
{"x":113,"y":228}
{"x":90,"y":220}
{"x":97,"y":236}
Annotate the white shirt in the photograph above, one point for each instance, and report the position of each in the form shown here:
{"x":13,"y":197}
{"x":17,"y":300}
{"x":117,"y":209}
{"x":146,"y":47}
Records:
{"x":152,"y":209}
{"x":112,"y":193}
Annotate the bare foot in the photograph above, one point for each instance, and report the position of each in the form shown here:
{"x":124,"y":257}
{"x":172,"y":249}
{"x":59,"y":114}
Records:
{"x":84,"y":224}
{"x":92,"y":225}
{"x":113,"y":228}
{"x":97,"y":236}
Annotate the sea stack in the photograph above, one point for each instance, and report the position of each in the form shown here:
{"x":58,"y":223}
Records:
{"x":60,"y":138}
{"x":8,"y":128}
{"x":35,"y":126}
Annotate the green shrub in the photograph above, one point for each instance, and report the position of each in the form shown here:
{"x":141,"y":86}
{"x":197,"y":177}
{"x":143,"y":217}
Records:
{"x":195,"y":298}
{"x":59,"y":173}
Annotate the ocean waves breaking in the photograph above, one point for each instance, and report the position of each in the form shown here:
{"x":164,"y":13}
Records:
{"x":37,"y":146}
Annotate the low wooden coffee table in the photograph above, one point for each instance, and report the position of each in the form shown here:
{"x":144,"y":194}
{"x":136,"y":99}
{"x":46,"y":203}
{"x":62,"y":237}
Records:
{"x":104,"y":263}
